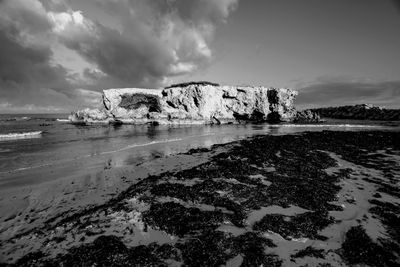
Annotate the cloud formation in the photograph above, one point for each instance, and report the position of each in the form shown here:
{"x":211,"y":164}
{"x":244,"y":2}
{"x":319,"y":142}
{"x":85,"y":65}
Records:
{"x":336,"y":92}
{"x":153,"y":40}
{"x":26,"y":66}
{"x":123,"y":43}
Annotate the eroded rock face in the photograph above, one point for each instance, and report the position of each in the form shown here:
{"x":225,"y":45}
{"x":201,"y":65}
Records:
{"x":192,"y":104}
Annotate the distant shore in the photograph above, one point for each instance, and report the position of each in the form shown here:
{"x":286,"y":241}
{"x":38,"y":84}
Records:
{"x":317,"y":197}
{"x":359,"y":112}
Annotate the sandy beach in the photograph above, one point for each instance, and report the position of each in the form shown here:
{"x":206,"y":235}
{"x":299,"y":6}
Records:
{"x":321,"y":198}
{"x":25,"y":208}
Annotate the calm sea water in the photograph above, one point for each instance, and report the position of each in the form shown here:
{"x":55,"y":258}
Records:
{"x":56,"y":142}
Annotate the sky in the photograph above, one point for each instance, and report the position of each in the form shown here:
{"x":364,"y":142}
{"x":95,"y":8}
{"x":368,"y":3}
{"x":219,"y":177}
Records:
{"x":58,"y":55}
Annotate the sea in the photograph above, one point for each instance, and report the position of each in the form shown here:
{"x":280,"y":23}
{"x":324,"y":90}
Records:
{"x":32,"y":141}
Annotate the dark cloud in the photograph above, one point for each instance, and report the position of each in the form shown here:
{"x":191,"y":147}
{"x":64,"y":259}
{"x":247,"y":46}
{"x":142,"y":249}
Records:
{"x":28,"y":16}
{"x":147,"y":43}
{"x":396,"y":3}
{"x":26,"y":66}
{"x":335,"y":93}
{"x":129,"y":59}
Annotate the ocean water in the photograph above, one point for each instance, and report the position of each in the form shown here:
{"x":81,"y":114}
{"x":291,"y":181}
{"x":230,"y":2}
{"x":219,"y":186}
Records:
{"x":29,"y":142}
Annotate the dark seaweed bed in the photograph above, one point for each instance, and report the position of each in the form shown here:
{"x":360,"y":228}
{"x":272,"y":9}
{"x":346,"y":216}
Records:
{"x":298,"y":178}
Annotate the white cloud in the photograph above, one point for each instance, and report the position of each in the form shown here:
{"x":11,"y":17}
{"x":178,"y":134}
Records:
{"x":182,"y":68}
{"x":155,"y":40}
{"x":64,"y":21}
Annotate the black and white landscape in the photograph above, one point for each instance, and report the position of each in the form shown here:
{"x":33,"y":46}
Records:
{"x":199,"y":133}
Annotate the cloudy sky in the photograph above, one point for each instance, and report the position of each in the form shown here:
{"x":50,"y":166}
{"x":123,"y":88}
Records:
{"x":57,"y":55}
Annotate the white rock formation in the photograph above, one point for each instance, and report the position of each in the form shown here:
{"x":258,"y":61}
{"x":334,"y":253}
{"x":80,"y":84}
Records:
{"x":192,"y":104}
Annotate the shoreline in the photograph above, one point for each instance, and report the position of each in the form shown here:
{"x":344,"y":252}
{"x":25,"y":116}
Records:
{"x":257,"y":195}
{"x":67,"y":195}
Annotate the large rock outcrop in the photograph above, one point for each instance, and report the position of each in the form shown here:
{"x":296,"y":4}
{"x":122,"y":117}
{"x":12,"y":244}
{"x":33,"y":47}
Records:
{"x":359,"y":112}
{"x":192,"y":103}
{"x":306,"y":116}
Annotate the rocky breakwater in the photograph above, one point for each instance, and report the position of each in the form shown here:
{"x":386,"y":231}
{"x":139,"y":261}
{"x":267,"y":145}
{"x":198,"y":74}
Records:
{"x":359,"y":112}
{"x":191,"y":103}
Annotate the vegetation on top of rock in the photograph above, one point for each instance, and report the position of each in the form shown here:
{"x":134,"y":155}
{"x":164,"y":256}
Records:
{"x":203,"y":83}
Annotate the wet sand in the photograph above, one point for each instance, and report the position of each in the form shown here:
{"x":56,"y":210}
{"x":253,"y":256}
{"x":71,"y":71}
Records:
{"x":322,"y":199}
{"x":28,"y":207}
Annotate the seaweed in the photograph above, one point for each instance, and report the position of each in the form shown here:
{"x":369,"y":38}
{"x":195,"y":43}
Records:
{"x":204,"y":192}
{"x":211,"y":248}
{"x":358,"y":248}
{"x":31,"y":259}
{"x":252,"y":246}
{"x":389,"y":213}
{"x":106,"y":251}
{"x":304,"y":225}
{"x":178,"y":220}
{"x":309,"y":252}
{"x":214,"y":248}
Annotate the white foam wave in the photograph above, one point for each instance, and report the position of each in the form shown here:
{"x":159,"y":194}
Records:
{"x":62,"y":120}
{"x":23,"y":118}
{"x":13,"y":136}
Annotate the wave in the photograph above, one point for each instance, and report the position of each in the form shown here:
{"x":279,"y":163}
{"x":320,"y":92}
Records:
{"x":13,"y":136}
{"x":62,"y":120}
{"x":24,"y":118}
{"x":326,"y":125}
